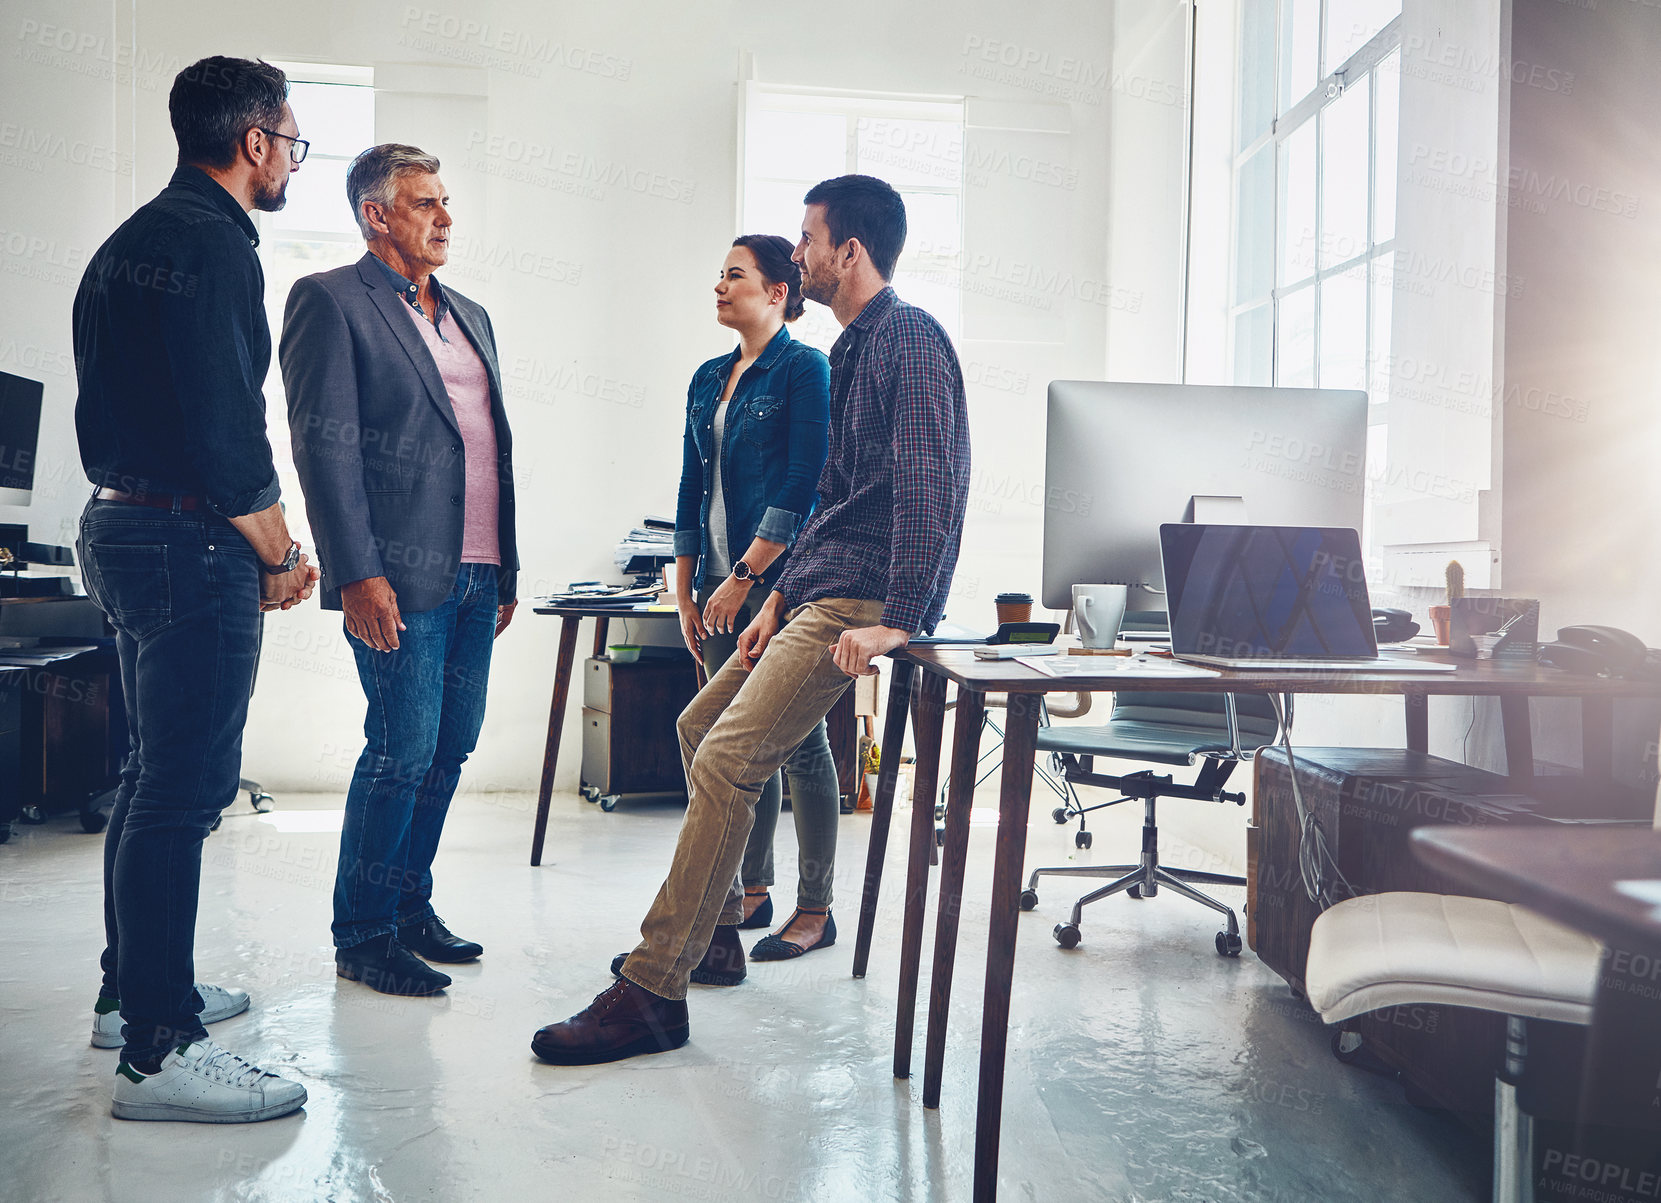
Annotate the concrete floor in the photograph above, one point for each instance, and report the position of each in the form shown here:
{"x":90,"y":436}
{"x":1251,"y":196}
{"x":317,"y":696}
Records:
{"x":1142,"y":1066}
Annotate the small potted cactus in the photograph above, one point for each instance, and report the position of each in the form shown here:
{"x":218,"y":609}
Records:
{"x":1441,"y":617}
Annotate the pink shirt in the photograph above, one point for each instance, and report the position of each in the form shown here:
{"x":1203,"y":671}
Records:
{"x":469,"y":388}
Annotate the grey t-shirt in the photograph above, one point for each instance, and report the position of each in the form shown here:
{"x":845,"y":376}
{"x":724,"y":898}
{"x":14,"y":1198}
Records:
{"x":719,"y":562}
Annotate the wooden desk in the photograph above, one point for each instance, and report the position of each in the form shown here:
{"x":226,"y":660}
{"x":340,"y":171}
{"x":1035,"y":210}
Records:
{"x":1568,"y":874}
{"x":1514,"y":683}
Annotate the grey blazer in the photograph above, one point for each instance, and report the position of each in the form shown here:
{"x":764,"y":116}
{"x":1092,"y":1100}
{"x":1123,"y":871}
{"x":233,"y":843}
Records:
{"x":376,"y":441}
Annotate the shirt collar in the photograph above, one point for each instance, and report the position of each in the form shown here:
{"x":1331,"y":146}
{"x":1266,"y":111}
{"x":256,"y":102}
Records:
{"x":855,"y":331}
{"x":407,"y":289}
{"x":769,"y":354}
{"x":197,"y":180}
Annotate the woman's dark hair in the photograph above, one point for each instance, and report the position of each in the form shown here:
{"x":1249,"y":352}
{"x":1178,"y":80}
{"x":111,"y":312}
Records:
{"x":773,"y":258}
{"x":866,"y":208}
{"x":215,"y":101}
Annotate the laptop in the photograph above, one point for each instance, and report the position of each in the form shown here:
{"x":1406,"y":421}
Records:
{"x":1273,"y":598}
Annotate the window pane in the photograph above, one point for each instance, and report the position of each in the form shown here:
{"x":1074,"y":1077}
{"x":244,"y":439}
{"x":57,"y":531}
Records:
{"x":910,"y":152}
{"x":316,"y":202}
{"x":933,"y":227}
{"x":1300,"y":31}
{"x":1378,"y":355}
{"x":1257,"y":69}
{"x":1254,"y":360}
{"x":1344,"y":177}
{"x":935,"y":288}
{"x":1296,"y":229}
{"x":798,"y":146}
{"x":1295,"y":340}
{"x":1344,"y":329}
{"x":775,"y":207}
{"x":1351,"y":24}
{"x":1254,"y":227}
{"x":338,"y":119}
{"x":1386,"y":117}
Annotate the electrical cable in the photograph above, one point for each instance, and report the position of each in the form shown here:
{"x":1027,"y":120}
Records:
{"x":1314,"y":857}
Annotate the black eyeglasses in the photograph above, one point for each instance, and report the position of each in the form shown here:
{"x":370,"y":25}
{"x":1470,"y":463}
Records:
{"x":297,"y":146}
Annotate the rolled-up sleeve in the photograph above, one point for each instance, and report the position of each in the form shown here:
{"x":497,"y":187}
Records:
{"x":925,"y":469}
{"x":208,"y":333}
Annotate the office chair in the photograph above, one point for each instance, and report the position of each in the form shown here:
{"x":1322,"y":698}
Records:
{"x":1220,"y":730}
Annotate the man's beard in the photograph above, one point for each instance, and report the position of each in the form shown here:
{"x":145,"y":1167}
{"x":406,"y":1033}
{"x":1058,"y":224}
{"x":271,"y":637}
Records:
{"x":269,"y":198}
{"x":817,"y":288}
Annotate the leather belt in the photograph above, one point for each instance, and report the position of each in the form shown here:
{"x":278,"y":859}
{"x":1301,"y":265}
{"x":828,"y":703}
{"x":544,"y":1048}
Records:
{"x":159,"y":501}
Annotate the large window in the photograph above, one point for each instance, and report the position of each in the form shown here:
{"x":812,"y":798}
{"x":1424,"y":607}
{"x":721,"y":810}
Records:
{"x":1315,"y":197}
{"x":315,"y":230}
{"x":793,"y":139}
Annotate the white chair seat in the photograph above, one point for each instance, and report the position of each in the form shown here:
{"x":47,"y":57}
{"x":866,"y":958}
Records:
{"x":1399,"y":949}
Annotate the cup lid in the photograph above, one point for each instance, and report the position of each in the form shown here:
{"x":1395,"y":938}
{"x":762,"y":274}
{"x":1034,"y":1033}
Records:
{"x":1010,"y":599}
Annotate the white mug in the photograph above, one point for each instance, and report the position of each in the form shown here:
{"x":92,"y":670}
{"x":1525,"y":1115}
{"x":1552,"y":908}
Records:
{"x":1099,"y":611}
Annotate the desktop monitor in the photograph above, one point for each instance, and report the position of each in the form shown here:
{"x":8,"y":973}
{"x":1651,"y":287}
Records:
{"x":1123,"y":458}
{"x":19,"y":431}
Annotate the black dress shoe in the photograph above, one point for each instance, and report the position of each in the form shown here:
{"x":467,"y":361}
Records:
{"x":438,"y":943}
{"x":624,"y":1020}
{"x":385,"y":965}
{"x":723,"y":963}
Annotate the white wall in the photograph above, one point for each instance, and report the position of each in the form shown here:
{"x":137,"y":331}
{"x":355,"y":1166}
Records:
{"x":601,"y":282}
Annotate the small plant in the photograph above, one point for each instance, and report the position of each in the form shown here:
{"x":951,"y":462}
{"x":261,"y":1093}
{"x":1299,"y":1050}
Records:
{"x":1456,"y":581}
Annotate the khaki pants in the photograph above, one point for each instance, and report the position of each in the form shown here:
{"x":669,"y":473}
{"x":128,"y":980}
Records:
{"x":736,"y":733}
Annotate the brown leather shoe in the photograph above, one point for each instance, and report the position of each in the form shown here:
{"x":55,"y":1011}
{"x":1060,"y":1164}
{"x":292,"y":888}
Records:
{"x":624,"y":1020}
{"x":723,"y":963}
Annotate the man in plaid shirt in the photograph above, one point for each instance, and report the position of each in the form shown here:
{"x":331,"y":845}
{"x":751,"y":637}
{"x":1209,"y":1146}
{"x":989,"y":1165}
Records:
{"x":870,"y":568}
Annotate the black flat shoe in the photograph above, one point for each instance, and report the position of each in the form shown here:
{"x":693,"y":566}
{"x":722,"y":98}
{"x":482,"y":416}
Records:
{"x":723,"y":963}
{"x":436,"y":942}
{"x":385,"y":965}
{"x":775,"y":947}
{"x":762,"y":916}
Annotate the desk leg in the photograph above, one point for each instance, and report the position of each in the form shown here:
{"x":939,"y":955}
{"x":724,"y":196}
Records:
{"x":928,"y":718}
{"x":556,"y":724}
{"x":1418,"y":721}
{"x":602,"y":627}
{"x":1597,"y":737}
{"x":971,"y":710}
{"x":1020,"y":747}
{"x":1519,"y":741}
{"x":882,"y":806}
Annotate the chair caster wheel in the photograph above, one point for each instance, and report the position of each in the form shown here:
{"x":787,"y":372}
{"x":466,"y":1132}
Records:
{"x":589,"y":792}
{"x":1134,"y":892}
{"x":939,"y":837}
{"x":1228,"y":944}
{"x":1066,"y":935}
{"x":1029,"y":899}
{"x":608,"y":802}
{"x":261,"y":802}
{"x":1059,"y":814}
{"x":94,"y":821}
{"x":1083,"y":839}
{"x":939,"y":812}
{"x":32,"y":815}
{"x":1346,"y":1046}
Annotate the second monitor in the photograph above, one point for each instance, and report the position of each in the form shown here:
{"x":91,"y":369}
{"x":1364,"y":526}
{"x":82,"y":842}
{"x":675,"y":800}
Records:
{"x":1131,"y":456}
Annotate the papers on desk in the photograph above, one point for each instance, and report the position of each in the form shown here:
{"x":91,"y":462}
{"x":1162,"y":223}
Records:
{"x":40,"y":657}
{"x":1108,"y":666}
{"x":1647,"y":892}
{"x":587,"y":594}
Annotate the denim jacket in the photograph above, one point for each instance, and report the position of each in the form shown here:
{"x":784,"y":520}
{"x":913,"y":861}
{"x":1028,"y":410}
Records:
{"x":774,"y":447}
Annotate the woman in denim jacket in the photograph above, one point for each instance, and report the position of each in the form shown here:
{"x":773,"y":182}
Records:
{"x":756,"y":440}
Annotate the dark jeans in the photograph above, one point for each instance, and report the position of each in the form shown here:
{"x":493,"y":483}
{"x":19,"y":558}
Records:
{"x":183,"y":593}
{"x":426,"y":705}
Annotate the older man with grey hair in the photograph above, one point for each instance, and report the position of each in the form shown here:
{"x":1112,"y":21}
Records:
{"x":404,"y":455}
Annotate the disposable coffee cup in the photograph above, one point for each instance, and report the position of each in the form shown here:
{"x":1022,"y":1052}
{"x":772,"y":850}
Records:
{"x":1099,"y":612}
{"x":1013,"y":607}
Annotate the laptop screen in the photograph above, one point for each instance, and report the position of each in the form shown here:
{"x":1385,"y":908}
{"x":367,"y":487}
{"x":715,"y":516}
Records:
{"x":1266,"y":592}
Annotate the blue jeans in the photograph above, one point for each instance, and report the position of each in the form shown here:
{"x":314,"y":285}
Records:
{"x":182,"y":590}
{"x":426,"y":705}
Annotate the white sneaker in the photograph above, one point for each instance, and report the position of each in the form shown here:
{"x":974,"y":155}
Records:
{"x":202,"y":1083}
{"x":217,"y":1003}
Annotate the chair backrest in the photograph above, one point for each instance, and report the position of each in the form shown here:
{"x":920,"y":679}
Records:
{"x":1256,"y":714}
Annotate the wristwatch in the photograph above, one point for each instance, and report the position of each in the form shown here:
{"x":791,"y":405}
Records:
{"x":290,"y":562}
{"x":741,"y":571}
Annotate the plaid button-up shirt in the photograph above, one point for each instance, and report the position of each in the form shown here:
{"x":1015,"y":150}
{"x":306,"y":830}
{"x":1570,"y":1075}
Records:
{"x":892,"y":495}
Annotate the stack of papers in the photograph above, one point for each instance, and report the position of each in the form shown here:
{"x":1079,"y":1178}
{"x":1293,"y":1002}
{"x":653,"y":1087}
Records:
{"x":591,"y":594}
{"x":653,"y":539}
{"x":40,"y":657}
{"x":1108,"y":666}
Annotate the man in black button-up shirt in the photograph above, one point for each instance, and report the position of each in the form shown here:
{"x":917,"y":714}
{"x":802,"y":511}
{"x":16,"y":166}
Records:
{"x":182,"y":546}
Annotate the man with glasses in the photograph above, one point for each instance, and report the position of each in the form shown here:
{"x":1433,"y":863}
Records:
{"x":183,"y":545}
{"x":404,"y":453}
